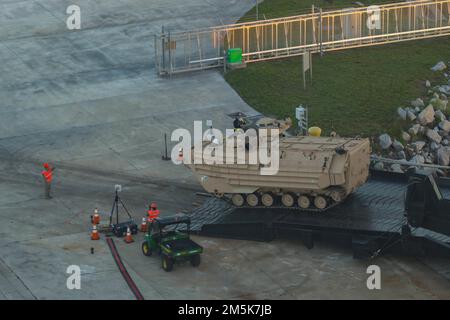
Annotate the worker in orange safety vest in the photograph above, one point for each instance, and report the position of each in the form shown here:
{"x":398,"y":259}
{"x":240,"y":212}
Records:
{"x":153,"y":212}
{"x":47,"y":174}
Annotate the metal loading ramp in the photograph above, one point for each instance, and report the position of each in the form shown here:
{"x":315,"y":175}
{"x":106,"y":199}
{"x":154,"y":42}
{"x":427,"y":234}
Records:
{"x":317,"y":31}
{"x":370,"y":221}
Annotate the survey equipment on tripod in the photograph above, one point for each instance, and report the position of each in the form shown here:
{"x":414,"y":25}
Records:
{"x":120,"y":228}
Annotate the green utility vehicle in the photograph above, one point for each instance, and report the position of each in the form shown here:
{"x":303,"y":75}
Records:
{"x":168,"y":238}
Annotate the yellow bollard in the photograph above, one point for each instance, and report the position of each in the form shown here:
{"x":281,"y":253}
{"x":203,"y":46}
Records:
{"x":315,"y":131}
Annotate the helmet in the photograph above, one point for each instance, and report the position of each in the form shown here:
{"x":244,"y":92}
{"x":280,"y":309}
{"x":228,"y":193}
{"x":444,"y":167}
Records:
{"x":46,"y":165}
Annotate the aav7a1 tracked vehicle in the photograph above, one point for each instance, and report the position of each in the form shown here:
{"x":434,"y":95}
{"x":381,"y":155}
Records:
{"x":315,"y":173}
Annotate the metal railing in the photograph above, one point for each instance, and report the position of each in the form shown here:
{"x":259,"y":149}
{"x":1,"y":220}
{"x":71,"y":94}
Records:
{"x":318,"y":31}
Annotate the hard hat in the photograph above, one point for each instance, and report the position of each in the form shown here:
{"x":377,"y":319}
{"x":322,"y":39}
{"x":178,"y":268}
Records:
{"x":315,"y":131}
{"x":46,"y":165}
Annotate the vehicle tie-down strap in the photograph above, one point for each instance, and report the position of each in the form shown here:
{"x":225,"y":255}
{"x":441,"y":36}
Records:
{"x":123,"y":270}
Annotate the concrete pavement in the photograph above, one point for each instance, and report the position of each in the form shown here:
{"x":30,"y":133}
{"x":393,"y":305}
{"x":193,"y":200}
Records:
{"x":89,"y":101}
{"x":82,"y":96}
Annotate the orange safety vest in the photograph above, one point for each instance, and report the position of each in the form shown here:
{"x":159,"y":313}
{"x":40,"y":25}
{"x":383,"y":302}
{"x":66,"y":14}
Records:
{"x":48,"y":175}
{"x":152,"y":214}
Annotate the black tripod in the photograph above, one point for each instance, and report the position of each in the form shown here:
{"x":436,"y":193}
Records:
{"x":115,"y":208}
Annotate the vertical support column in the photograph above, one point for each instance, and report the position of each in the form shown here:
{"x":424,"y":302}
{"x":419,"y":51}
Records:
{"x":362,"y":26}
{"x":258,"y":47}
{"x":409,"y":19}
{"x":382,"y":17}
{"x":286,"y":35}
{"x":396,"y":23}
{"x":248,"y":39}
{"x":163,"y":49}
{"x":300,"y":31}
{"x":189,"y":49}
{"x":156,"y":55}
{"x":303,"y":70}
{"x":186,"y":63}
{"x":243,"y":40}
{"x":448,"y":13}
{"x":313,"y":24}
{"x":332,"y":29}
{"x":320,"y":32}
{"x":170,"y":56}
{"x":233,"y":36}
{"x":290,"y":33}
{"x":276,"y":38}
{"x":328,"y":29}
{"x":436,"y":15}
{"x":387,"y":22}
{"x":305,"y":34}
{"x":423,"y":17}
{"x":199,"y":44}
{"x":224,"y":62}
{"x":257,"y":10}
{"x":306,"y":65}
{"x":263,"y":37}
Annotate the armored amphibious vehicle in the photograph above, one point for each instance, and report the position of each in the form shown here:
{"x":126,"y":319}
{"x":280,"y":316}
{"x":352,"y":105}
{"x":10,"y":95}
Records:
{"x":315,"y":173}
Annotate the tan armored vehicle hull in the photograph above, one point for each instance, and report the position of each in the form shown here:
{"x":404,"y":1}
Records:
{"x":314,"y":173}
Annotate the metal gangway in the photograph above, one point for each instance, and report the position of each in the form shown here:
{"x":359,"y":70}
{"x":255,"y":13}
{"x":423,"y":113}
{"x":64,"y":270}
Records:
{"x":318,"y":31}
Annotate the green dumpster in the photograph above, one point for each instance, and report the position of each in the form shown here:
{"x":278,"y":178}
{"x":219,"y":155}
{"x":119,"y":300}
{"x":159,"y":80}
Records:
{"x":234,"y":55}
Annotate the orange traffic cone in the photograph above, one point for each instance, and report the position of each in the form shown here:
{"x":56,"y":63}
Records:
{"x":96,"y":217}
{"x":144,"y":225}
{"x":94,"y":234}
{"x":128,"y":237}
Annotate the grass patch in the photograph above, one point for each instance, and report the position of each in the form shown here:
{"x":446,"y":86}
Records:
{"x":357,"y":91}
{"x":270,"y":9}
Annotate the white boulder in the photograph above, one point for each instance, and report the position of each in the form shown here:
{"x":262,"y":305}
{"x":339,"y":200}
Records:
{"x":417,"y":104}
{"x":440,"y":66}
{"x":385,"y":141}
{"x":439,"y":115}
{"x":402,"y":113}
{"x":414,"y":130}
{"x":396,"y":168}
{"x":443,"y":156}
{"x":433,"y":136}
{"x":418,"y":159}
{"x":445,"y":125}
{"x":406,"y":136}
{"x":398,"y":146}
{"x":427,"y":115}
{"x":418,"y":145}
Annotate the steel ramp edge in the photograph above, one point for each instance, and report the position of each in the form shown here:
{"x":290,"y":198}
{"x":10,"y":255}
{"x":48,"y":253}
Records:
{"x":374,"y":212}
